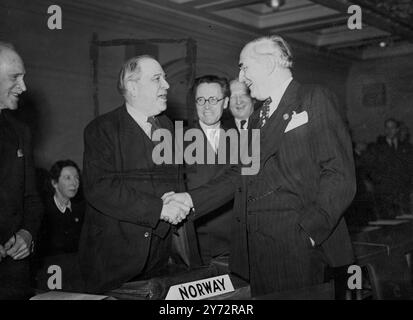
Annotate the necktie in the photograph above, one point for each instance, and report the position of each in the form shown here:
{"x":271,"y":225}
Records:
{"x":243,"y":122}
{"x":154,"y":124}
{"x":264,"y":112}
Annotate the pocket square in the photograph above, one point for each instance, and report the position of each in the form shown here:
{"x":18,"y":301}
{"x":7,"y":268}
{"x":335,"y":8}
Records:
{"x":297,"y":119}
{"x":20,"y":153}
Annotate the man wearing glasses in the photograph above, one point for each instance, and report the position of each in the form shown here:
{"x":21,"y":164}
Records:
{"x":212,"y":232}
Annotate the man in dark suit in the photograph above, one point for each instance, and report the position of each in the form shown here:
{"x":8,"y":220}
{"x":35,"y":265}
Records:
{"x":241,"y":105}
{"x":126,"y":234}
{"x":391,"y":170}
{"x":213,"y":229}
{"x":289,"y":215}
{"x":20,"y":205}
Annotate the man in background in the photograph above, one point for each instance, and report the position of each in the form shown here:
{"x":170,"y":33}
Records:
{"x":212,"y":230}
{"x":391,"y":171}
{"x":241,"y":105}
{"x":20,"y":206}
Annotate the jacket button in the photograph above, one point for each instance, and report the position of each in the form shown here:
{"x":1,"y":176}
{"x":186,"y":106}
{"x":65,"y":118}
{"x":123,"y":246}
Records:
{"x":239,"y":189}
{"x":238,"y":219}
{"x":146,"y":234}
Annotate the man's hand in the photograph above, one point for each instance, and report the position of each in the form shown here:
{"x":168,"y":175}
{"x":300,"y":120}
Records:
{"x":18,"y":246}
{"x":182,"y":197}
{"x":174,"y":212}
{"x":3,"y":253}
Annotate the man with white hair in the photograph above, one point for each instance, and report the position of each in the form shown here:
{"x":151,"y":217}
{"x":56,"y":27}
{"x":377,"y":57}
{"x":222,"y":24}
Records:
{"x":289,"y":215}
{"x":20,"y":206}
{"x":126,"y":233}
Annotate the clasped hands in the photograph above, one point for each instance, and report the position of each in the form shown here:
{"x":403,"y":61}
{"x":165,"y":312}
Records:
{"x":18,"y":246}
{"x":176,"y":207}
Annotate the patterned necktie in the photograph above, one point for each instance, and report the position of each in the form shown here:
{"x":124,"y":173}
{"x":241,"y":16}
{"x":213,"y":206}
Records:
{"x":154,"y":124}
{"x":243,"y":122}
{"x":264,"y":112}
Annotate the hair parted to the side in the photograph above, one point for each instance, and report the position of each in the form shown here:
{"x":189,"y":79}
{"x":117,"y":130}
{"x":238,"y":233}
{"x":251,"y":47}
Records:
{"x":130,"y":71}
{"x":274,"y":46}
{"x":58,"y":166}
{"x":209,"y":78}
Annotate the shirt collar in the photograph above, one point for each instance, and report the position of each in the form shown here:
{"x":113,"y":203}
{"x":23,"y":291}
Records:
{"x":238,"y":123}
{"x":277,"y":94}
{"x":137,"y":115}
{"x":140,"y":118}
{"x":206,"y":127}
{"x":61,"y":206}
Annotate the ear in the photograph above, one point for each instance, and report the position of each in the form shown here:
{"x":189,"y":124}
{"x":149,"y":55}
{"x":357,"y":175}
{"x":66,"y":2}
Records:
{"x":226,"y":101}
{"x":131,"y":88}
{"x":53,"y":183}
{"x":270,"y":64}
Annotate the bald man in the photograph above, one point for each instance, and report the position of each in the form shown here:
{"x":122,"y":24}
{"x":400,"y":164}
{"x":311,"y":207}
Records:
{"x":20,"y":206}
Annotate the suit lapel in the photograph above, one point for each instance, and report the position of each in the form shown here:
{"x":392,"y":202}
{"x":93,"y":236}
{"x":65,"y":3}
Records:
{"x":273,"y":133}
{"x":133,"y":141}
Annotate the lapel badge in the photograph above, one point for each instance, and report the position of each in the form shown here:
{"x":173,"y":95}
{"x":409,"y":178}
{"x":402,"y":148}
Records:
{"x":19,"y":153}
{"x":286,"y":116}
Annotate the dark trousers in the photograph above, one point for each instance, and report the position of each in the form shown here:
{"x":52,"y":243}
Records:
{"x":15,"y":279}
{"x":157,"y":262}
{"x":284,"y":263}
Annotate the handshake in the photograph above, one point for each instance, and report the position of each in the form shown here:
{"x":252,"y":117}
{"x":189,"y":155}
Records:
{"x":176,"y":206}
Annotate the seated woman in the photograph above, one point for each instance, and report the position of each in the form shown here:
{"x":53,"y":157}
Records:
{"x":64,"y":211}
{"x":61,"y":227}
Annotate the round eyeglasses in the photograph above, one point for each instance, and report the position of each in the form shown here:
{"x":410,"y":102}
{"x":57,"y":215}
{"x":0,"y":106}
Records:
{"x":211,"y":100}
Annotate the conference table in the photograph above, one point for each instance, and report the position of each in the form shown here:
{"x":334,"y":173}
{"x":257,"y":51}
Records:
{"x":382,"y":250}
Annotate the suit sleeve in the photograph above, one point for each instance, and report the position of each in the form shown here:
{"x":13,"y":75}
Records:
{"x":332,"y":150}
{"x":33,"y":207}
{"x":216,"y":192}
{"x":111,"y":192}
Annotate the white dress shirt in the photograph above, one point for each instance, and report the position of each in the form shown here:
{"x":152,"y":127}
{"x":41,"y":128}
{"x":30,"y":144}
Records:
{"x":212,"y":133}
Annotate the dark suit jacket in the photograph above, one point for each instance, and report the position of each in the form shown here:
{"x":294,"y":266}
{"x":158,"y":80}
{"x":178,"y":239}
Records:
{"x":20,"y":205}
{"x":306,"y":181}
{"x":61,"y":231}
{"x":123,"y":189}
{"x":213,"y":230}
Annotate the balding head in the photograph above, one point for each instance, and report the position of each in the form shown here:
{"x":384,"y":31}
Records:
{"x":240,"y":104}
{"x":11,"y":77}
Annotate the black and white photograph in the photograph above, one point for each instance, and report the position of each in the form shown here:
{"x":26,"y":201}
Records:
{"x":228,"y":151}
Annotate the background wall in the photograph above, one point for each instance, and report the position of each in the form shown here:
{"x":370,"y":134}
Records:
{"x":396,"y":74}
{"x":59,"y":103}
